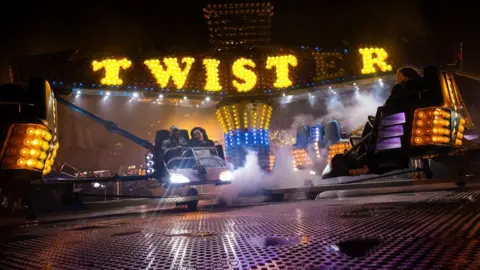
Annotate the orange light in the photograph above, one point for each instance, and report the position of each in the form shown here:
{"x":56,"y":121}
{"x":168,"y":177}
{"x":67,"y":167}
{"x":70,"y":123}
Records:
{"x":35,"y":142}
{"x":431,"y":126}
{"x":34,"y":153}
{"x":24,"y":152}
{"x":27,"y":142}
{"x":21,"y":162}
{"x":31,"y":163}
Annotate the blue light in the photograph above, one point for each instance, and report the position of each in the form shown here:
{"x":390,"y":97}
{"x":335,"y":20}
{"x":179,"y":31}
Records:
{"x":257,"y":139}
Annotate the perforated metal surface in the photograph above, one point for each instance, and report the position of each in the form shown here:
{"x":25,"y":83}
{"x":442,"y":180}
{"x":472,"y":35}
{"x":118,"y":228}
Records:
{"x":428,"y":231}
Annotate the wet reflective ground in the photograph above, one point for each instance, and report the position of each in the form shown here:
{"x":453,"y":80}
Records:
{"x":429,"y":230}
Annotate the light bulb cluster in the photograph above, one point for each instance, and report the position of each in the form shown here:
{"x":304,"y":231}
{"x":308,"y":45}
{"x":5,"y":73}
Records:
{"x":255,"y":116}
{"x":240,"y":138}
{"x":112,"y":70}
{"x":271,"y":161}
{"x":282,"y":63}
{"x":240,"y":71}
{"x":460,"y":130}
{"x":432,"y":126}
{"x":316,"y":140}
{"x":29,"y":147}
{"x":149,"y":163}
{"x":172,"y":70}
{"x":267,"y":115}
{"x":300,"y":158}
{"x":236,"y":116}
{"x":325,"y":63}
{"x":372,"y":57}
{"x":213,"y":80}
{"x":338,"y":149}
{"x":51,"y":159}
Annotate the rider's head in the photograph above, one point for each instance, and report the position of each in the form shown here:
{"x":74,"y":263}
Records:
{"x":174,"y":131}
{"x":198,"y":135}
{"x":407,"y":73}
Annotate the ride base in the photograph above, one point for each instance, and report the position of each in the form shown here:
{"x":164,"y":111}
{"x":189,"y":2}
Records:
{"x":435,"y":230}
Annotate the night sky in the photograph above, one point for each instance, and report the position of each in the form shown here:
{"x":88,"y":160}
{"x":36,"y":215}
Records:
{"x":427,"y":32}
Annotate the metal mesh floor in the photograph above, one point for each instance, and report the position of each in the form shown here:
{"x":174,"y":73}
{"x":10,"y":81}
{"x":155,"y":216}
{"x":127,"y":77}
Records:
{"x":428,"y":231}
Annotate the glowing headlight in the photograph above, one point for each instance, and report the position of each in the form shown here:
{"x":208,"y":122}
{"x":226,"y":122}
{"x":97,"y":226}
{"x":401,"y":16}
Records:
{"x":179,"y":179}
{"x":226,"y":176}
{"x":312,"y":173}
{"x":96,"y":185}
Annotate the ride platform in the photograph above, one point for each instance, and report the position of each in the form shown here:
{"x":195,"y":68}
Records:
{"x":423,"y":230}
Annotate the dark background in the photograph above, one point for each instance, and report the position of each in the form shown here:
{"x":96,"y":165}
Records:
{"x":419,"y":32}
{"x":423,"y":31}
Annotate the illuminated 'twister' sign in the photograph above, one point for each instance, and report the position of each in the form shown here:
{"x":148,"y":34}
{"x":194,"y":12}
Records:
{"x":243,"y":75}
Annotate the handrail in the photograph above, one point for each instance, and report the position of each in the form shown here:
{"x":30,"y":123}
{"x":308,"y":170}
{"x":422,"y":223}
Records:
{"x":196,"y":158}
{"x":188,"y":148}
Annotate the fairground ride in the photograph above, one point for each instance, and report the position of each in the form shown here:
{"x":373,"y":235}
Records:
{"x":242,"y":76}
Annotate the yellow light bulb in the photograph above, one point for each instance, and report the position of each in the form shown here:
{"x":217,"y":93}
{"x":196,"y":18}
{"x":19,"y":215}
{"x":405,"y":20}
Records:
{"x":281,"y":63}
{"x":212,"y":82}
{"x":248,"y":76}
{"x":31,"y":163}
{"x":374,"y":56}
{"x":21,"y":162}
{"x":34,"y":153}
{"x":112,"y":70}
{"x":172,"y":70}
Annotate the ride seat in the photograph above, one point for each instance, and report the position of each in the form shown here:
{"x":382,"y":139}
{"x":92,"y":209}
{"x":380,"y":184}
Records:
{"x":303,"y":133}
{"x":161,"y":136}
{"x":184,"y":134}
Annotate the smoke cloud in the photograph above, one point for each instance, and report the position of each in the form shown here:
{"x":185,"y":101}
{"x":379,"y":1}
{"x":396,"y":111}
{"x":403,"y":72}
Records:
{"x":351,"y":110}
{"x":251,"y":179}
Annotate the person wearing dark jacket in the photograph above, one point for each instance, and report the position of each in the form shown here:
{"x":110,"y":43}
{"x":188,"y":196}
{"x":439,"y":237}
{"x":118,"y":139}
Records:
{"x":175,"y":140}
{"x":409,"y":83}
{"x":198,"y":139}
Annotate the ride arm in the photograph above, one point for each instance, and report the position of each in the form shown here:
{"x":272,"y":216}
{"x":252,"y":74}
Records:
{"x":468,"y":75}
{"x":109,"y":125}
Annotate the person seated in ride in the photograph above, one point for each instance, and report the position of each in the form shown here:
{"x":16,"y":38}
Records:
{"x":198,"y":140}
{"x":175,"y":140}
{"x":409,"y":82}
